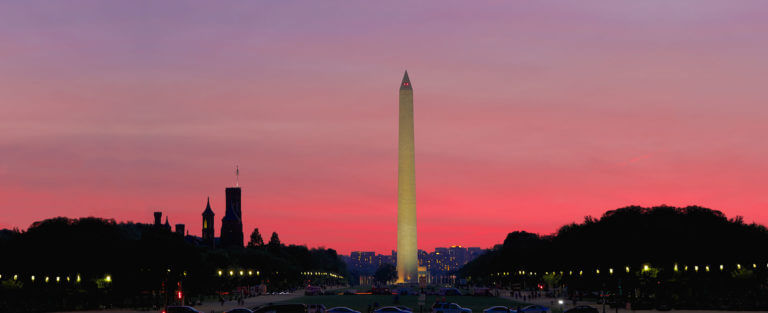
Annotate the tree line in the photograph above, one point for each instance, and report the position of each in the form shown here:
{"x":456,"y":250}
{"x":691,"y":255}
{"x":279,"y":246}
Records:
{"x":690,"y":257}
{"x":91,"y":262}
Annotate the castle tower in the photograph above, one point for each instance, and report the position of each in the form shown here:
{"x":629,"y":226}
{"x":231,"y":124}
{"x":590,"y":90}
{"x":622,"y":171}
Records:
{"x":232,"y":223}
{"x":407,"y":253}
{"x":158,"y":218}
{"x":208,"y":230}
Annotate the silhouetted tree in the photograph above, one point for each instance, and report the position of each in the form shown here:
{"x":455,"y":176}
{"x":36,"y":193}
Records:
{"x":274,"y":241}
{"x":139,"y":258}
{"x":256,"y":240}
{"x":697,"y":239}
{"x":385,"y":273}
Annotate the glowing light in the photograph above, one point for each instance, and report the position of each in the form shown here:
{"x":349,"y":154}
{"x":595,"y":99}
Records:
{"x":696,"y":268}
{"x":738,"y":266}
{"x":220,"y":273}
{"x":231,"y":273}
{"x":47,"y":279}
{"x":754,"y":265}
{"x":241,"y":273}
{"x":58,"y":279}
{"x":250,"y":273}
{"x":78,"y":278}
{"x":560,"y":301}
{"x":108,"y":278}
{"x":626,"y":268}
{"x":646,"y":268}
{"x":32,"y":278}
{"x":610,"y":271}
{"x":706,"y":268}
{"x":15,"y":277}
{"x":721,"y":267}
{"x":675,"y":267}
{"x":597,"y":272}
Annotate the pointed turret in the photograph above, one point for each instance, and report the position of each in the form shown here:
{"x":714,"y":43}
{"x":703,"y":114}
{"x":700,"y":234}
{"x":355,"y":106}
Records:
{"x":208,"y":224}
{"x":208,"y":210}
{"x":406,"y":83}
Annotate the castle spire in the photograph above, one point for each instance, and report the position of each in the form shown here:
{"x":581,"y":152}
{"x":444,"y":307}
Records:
{"x":208,"y":210}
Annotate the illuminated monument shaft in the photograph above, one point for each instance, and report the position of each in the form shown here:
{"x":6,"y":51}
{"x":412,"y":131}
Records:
{"x":407,"y":253}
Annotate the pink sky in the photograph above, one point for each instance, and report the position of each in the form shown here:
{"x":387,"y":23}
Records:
{"x":529,"y":115}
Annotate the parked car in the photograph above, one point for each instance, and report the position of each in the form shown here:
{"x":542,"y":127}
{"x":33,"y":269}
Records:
{"x":239,"y":310}
{"x":341,"y":309}
{"x":316,"y":308}
{"x":391,"y":309}
{"x":404,"y":308}
{"x":582,"y":309}
{"x":449,"y":308}
{"x":180,"y":309}
{"x":533,"y":309}
{"x":281,"y":308}
{"x":497,"y":309}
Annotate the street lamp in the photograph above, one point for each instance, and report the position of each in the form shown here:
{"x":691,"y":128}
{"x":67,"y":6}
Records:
{"x":562,"y":305}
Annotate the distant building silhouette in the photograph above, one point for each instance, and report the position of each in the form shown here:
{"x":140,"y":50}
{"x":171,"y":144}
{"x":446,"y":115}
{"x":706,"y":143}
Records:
{"x":438,"y":267}
{"x":208,"y":230}
{"x":167,"y":225}
{"x":363,"y":261}
{"x":158,"y":218}
{"x":232,"y":223}
{"x":180,"y":229}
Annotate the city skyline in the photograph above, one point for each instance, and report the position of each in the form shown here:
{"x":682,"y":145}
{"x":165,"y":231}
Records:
{"x":529,"y":117}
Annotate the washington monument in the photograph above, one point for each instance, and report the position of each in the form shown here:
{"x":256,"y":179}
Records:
{"x":407,"y":253}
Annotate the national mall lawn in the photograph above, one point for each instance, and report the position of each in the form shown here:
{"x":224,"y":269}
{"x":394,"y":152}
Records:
{"x":361,"y":302}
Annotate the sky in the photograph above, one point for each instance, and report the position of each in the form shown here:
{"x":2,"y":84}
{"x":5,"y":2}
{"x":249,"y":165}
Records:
{"x":528,"y":115}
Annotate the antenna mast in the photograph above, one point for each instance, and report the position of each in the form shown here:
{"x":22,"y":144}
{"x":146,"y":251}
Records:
{"x":237,"y":175}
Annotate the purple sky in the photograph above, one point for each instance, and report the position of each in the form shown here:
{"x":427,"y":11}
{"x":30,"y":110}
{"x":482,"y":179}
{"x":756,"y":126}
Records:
{"x":529,"y":115}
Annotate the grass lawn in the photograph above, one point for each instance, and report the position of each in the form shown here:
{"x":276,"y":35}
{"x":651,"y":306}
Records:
{"x":361,"y":302}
